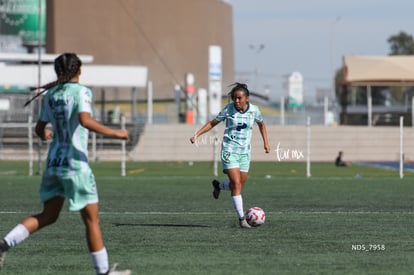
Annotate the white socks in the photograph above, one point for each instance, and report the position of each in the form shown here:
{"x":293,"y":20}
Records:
{"x":17,"y":235}
{"x":100,"y":261}
{"x":236,"y":200}
{"x":225,"y":185}
{"x":238,"y":205}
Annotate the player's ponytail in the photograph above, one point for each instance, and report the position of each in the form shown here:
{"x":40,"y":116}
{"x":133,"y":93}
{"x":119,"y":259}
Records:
{"x":238,"y":87}
{"x":67,"y":66}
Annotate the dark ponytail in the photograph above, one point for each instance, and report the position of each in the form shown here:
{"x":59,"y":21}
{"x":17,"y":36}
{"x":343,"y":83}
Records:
{"x":67,"y":66}
{"x":238,"y":87}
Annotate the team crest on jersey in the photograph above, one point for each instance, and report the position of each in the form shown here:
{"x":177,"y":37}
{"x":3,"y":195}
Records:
{"x":225,"y":155}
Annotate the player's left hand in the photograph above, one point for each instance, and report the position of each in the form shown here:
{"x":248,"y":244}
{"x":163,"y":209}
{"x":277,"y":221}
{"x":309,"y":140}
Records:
{"x":48,"y":134}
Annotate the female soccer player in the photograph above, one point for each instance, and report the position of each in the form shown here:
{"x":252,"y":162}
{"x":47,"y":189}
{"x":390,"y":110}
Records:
{"x":240,"y":116}
{"x":68,"y":108}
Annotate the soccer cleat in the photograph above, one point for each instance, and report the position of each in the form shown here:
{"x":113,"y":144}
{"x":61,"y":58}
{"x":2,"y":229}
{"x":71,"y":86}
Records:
{"x":243,"y":223}
{"x":216,"y":186}
{"x":3,"y":248}
{"x":119,"y":272}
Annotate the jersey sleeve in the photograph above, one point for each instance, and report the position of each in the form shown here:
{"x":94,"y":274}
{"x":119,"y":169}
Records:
{"x":44,"y":114}
{"x":85,"y":102}
{"x":223,"y":114}
{"x":258,"y":116}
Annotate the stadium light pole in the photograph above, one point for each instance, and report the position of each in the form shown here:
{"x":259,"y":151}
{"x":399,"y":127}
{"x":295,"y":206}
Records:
{"x":39,"y":80}
{"x":332,"y":53}
{"x":257,"y":49}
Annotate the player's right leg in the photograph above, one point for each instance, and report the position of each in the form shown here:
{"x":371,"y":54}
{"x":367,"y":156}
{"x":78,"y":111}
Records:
{"x":216,"y":188}
{"x":29,"y":225}
{"x":236,"y":196}
{"x":49,"y":215}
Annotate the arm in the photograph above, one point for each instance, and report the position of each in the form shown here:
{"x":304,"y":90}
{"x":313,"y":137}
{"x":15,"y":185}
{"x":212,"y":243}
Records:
{"x":42,"y":132}
{"x":263,"y":132}
{"x":88,"y":122}
{"x":207,"y":127}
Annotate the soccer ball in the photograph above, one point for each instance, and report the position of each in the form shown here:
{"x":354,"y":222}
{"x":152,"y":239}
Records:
{"x":255,"y":216}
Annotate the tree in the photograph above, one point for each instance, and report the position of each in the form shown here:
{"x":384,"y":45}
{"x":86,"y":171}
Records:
{"x":401,"y":44}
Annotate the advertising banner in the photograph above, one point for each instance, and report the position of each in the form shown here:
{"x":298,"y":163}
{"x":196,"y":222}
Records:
{"x":19,"y":25}
{"x":215,"y":79}
{"x":295,"y":91}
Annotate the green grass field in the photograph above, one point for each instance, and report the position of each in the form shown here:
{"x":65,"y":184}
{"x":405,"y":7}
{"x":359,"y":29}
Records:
{"x":162,"y":219}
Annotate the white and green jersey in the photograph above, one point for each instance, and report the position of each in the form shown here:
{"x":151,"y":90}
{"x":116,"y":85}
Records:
{"x":68,"y":152}
{"x":239,"y":125}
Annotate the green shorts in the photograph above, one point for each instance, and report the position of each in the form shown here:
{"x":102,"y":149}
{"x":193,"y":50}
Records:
{"x":233,"y":160}
{"x":80,"y":189}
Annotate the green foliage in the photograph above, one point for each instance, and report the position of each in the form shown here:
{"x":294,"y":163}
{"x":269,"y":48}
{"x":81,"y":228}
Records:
{"x":401,"y":44}
{"x":162,"y":219}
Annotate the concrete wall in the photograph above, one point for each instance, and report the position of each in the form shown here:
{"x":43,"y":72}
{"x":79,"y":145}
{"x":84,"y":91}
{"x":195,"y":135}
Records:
{"x":170,"y":37}
{"x":171,"y":142}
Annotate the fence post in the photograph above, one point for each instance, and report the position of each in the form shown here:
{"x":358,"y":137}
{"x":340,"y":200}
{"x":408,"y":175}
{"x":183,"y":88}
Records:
{"x":123,"y":153}
{"x":308,"y":142}
{"x":401,"y":147}
{"x":30,"y":136}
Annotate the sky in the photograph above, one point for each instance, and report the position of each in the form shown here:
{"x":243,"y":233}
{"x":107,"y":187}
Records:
{"x":274,"y":38}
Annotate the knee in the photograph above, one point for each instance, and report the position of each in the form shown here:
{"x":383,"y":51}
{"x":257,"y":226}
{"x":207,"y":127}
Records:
{"x":235,"y":185}
{"x":93,"y":222}
{"x":53,"y":218}
{"x":46,"y":218}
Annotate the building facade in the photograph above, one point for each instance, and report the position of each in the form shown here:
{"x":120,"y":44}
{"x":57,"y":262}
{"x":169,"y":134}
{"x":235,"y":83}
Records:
{"x":170,"y":37}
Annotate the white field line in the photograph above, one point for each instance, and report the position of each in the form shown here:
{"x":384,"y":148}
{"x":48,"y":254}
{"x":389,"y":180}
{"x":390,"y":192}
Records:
{"x":10,"y":172}
{"x":139,"y":213}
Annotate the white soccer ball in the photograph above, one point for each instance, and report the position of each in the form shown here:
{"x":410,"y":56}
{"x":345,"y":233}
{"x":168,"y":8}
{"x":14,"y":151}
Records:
{"x":255,"y":216}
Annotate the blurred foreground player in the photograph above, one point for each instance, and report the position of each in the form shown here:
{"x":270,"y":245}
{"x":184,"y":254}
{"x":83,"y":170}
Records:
{"x":68,"y":108}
